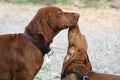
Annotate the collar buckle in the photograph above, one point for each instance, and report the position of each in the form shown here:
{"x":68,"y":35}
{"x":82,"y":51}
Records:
{"x":85,"y":77}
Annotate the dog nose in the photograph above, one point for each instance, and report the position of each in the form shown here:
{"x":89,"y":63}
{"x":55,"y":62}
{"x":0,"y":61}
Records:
{"x":77,"y":15}
{"x":70,"y":52}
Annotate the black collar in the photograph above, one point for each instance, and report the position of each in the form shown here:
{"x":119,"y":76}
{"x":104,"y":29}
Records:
{"x":77,"y":73}
{"x":43,"y":48}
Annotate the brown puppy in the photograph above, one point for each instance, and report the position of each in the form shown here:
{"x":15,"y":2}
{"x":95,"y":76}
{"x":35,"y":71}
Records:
{"x":22,"y":55}
{"x":77,"y":57}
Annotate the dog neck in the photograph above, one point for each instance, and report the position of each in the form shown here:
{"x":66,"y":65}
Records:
{"x":78,"y":61}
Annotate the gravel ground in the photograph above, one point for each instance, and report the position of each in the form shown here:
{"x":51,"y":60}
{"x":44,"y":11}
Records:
{"x":101,"y":26}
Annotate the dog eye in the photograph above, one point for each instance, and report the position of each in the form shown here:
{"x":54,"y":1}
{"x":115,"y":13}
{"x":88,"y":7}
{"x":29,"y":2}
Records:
{"x":70,"y":46}
{"x":60,"y":13}
{"x":78,"y":50}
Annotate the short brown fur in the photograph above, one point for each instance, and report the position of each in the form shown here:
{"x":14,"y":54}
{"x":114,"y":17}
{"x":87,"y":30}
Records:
{"x":19,"y":58}
{"x":77,"y":56}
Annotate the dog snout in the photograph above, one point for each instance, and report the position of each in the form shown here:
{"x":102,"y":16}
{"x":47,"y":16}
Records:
{"x":71,"y":51}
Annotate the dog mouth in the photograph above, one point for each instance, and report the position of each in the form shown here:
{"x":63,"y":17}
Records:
{"x":76,"y":25}
{"x":65,"y":27}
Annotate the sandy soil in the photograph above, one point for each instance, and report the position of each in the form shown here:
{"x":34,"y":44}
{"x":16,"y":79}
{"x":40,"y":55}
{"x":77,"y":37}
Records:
{"x":101,"y":26}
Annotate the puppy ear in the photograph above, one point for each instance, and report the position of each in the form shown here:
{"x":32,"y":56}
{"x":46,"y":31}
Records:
{"x":87,"y":62}
{"x":67,"y":62}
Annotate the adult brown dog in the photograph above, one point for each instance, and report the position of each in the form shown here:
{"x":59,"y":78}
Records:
{"x":76,"y":65}
{"x":22,"y":55}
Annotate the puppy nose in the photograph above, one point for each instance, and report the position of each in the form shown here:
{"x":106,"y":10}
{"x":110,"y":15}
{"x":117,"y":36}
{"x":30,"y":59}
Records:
{"x":70,"y":53}
{"x":77,"y":15}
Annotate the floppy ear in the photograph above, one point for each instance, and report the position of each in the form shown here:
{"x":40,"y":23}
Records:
{"x":87,"y":61}
{"x":44,"y":29}
{"x":67,"y":62}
